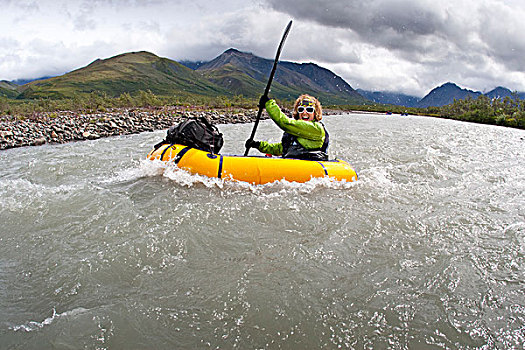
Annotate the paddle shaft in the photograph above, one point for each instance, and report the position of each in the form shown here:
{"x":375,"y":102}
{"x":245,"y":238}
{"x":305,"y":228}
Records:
{"x":267,"y":90}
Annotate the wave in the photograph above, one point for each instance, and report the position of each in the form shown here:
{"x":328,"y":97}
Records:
{"x":19,"y":193}
{"x":35,"y":325}
{"x":168,"y":170}
{"x":145,"y":168}
{"x":183,"y":178}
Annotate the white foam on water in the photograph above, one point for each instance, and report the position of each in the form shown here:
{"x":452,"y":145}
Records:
{"x":423,"y":233}
{"x":145,"y":168}
{"x":19,"y":193}
{"x":35,"y":325}
{"x":186,"y":179}
{"x":377,"y":176}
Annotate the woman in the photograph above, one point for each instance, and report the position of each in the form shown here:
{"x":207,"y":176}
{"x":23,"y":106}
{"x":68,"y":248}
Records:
{"x":304,"y":135}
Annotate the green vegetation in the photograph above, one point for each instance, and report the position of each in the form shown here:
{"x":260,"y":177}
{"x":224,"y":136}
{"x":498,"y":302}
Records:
{"x":506,"y":112}
{"x":238,"y":81}
{"x":379,"y":108}
{"x":101,"y":102}
{"x":130,"y":72}
{"x":8,"y":89}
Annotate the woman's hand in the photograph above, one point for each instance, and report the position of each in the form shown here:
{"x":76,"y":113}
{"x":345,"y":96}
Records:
{"x":252,"y":144}
{"x":263,"y":100}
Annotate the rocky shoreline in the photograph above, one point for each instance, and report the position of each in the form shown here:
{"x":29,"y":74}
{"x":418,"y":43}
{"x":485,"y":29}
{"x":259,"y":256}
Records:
{"x":62,"y":127}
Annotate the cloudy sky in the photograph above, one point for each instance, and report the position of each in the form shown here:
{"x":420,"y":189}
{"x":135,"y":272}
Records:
{"x":408,"y":46}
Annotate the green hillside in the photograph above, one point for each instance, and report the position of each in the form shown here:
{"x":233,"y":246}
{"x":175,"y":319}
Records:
{"x":235,"y":80}
{"x":247,"y":74}
{"x":129,"y":72}
{"x":233,"y":73}
{"x":241,"y":82}
{"x":8,"y":89}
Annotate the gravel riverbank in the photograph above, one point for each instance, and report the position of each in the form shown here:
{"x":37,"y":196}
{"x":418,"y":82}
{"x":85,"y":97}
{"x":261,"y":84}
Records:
{"x":62,"y":127}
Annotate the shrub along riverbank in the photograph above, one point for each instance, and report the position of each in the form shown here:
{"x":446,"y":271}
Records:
{"x":508,"y":111}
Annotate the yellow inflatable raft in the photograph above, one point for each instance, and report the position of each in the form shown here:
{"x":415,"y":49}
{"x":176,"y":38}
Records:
{"x":255,"y":170}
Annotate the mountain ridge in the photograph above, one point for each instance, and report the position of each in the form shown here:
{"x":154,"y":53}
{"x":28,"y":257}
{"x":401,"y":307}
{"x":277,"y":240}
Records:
{"x":445,"y":94}
{"x":229,"y":74}
{"x":389,"y":97}
{"x":123,"y":73}
{"x":437,"y":97}
{"x":8,"y":89}
{"x":291,"y":79}
{"x":502,"y":92}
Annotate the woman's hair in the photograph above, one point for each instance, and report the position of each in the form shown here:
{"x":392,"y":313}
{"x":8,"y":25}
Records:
{"x":317,"y":105}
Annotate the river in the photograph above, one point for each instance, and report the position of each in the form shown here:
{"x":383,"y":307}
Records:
{"x":102,"y":249}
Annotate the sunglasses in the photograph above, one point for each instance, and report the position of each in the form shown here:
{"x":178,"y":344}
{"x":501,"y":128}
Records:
{"x":301,"y":109}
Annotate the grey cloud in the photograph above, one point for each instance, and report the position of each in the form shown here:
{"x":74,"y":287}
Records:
{"x":501,"y":30}
{"x":420,"y":30}
{"x":460,"y":41}
{"x":26,"y":6}
{"x":322,"y":45}
{"x":149,"y":26}
{"x":83,"y":19}
{"x":409,"y":45}
{"x":85,"y":13}
{"x":415,"y":31}
{"x":389,"y":24}
{"x":8,"y":44}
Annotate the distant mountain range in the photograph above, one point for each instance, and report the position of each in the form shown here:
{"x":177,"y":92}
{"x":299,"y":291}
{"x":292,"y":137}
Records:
{"x":439,"y":96}
{"x":392,"y":98}
{"x":230,"y":74}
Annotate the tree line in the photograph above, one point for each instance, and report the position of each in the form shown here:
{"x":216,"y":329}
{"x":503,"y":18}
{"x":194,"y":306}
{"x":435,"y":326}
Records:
{"x":508,"y":111}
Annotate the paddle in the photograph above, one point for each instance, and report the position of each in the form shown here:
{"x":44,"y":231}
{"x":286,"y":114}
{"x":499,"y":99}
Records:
{"x":267,"y":90}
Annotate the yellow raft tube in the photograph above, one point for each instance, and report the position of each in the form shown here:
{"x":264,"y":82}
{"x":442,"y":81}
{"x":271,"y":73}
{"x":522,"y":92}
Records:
{"x":256,"y":170}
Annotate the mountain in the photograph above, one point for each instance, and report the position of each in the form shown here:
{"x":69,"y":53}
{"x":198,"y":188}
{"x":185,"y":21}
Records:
{"x":247,"y":74}
{"x":392,"y":98}
{"x":231,"y":73}
{"x":502,"y":92}
{"x":25,"y":81}
{"x":439,"y":96}
{"x":445,"y":94}
{"x":8,"y":89}
{"x":192,"y":64}
{"x":129,"y":72}
{"x":499,"y":92}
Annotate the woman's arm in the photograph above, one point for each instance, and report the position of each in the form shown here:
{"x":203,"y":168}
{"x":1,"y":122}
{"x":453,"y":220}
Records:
{"x":275,"y":149}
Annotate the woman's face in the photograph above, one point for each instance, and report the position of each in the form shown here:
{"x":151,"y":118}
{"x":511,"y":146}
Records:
{"x":306,"y":110}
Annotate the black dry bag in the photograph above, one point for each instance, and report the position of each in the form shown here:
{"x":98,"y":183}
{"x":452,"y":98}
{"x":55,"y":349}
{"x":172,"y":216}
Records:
{"x":197,"y":133}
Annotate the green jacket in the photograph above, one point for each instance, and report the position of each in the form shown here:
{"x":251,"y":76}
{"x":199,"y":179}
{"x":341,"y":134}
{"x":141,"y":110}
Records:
{"x":310,"y":134}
